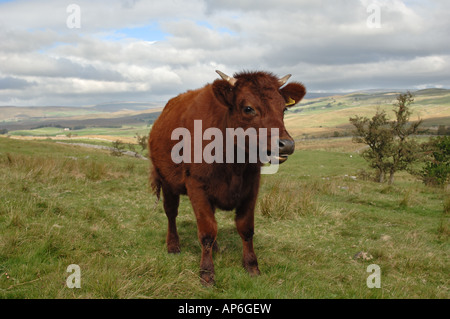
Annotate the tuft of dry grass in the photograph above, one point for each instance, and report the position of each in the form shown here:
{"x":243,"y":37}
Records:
{"x":288,"y":200}
{"x":49,"y":167}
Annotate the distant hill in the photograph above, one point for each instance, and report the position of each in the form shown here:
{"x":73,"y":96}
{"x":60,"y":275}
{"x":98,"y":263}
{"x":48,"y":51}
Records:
{"x":122,"y":106}
{"x":319,"y":114}
{"x":434,"y":91}
{"x":329,"y":116}
{"x":14,"y":113}
{"x":318,"y":95}
{"x":26,"y":118}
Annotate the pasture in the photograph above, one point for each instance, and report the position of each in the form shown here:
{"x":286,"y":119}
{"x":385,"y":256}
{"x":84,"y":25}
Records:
{"x":125,"y":132}
{"x":318,"y":226}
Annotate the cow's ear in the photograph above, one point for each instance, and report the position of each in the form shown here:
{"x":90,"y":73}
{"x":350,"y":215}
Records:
{"x":223,"y":91}
{"x":293,"y":93}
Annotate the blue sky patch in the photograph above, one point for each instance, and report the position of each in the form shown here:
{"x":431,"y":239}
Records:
{"x":150,"y":32}
{"x":220,"y":30}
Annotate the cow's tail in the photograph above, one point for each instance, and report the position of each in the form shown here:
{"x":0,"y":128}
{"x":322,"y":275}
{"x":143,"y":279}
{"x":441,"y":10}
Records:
{"x":155,"y":182}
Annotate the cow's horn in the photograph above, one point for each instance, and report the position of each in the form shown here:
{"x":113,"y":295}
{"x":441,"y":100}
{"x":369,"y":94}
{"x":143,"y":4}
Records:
{"x":284,"y":79}
{"x":227,"y":78}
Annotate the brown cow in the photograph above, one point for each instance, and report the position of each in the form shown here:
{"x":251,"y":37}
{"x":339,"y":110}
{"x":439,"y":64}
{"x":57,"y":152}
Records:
{"x":247,"y":100}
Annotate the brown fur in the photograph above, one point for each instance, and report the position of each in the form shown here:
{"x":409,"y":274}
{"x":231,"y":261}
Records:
{"x":218,"y":185}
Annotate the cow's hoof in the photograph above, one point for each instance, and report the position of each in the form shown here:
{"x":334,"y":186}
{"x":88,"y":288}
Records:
{"x":207,"y":278}
{"x":173,"y":249}
{"x":254,"y":271}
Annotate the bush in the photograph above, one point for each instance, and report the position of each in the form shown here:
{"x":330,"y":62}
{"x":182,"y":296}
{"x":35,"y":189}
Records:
{"x":437,"y":166}
{"x":142,"y":140}
{"x":391,"y":148}
{"x":117,"y":148}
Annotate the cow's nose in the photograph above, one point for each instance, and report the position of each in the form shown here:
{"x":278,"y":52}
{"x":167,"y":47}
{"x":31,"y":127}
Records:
{"x":287,"y":147}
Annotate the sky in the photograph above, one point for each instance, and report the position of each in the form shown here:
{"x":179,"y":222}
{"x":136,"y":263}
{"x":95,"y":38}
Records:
{"x":84,"y":52}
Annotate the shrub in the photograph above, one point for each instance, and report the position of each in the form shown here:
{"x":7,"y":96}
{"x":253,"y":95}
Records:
{"x":390,"y":147}
{"x":437,"y":165}
{"x":117,"y":148}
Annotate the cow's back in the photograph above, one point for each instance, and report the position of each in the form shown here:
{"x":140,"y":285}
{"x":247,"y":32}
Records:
{"x":180,"y":112}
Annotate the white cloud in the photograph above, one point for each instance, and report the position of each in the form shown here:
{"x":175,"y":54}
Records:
{"x":325,"y":44}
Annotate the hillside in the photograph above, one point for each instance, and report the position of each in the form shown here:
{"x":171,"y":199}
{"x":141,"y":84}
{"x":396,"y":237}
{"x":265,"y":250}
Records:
{"x":325,"y":116}
{"x":25,"y":118}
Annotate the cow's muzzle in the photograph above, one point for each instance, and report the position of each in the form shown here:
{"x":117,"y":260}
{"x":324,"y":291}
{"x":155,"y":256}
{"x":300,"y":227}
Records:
{"x":285,"y":148}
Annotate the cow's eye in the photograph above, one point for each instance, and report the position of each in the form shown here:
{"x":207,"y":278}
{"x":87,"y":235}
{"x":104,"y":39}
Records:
{"x":249,"y":110}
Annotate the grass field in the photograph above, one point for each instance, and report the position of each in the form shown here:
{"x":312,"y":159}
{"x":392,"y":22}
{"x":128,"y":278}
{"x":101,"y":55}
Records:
{"x":123,"y":131}
{"x":319,"y":225}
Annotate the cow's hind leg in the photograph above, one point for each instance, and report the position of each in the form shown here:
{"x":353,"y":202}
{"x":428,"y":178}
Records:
{"x":171,"y":202}
{"x":207,"y":230}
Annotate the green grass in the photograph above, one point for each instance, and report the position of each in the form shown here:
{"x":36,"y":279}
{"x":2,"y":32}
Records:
{"x":63,"y":205}
{"x":44,"y":131}
{"x":124,"y":131}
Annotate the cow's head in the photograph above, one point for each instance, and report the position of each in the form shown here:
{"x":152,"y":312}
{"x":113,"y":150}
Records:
{"x":259,"y":100}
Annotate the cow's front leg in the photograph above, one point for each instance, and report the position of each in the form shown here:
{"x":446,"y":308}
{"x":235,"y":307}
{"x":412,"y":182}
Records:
{"x":245,"y":226}
{"x":207,"y":229}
